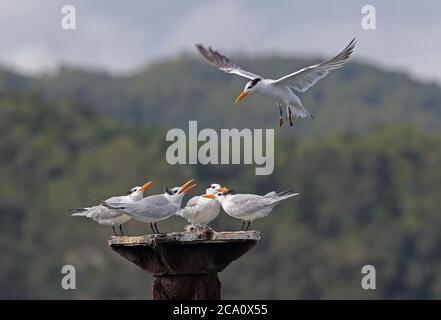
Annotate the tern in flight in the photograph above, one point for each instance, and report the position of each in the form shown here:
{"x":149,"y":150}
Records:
{"x":249,"y":207}
{"x":202,"y":209}
{"x":109,"y":217}
{"x":154,"y":208}
{"x":285,"y":89}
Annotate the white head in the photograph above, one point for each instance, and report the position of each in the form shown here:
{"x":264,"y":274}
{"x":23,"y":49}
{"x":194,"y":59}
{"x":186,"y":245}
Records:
{"x":212,"y":188}
{"x":176,"y":194}
{"x":250,"y":87}
{"x":136,"y":193}
{"x":221,"y":196}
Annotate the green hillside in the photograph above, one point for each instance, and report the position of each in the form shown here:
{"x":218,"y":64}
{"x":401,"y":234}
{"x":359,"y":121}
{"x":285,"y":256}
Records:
{"x":354,"y":98}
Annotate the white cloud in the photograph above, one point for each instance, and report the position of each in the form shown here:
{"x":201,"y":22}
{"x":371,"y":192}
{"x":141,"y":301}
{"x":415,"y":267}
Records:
{"x":121,"y":36}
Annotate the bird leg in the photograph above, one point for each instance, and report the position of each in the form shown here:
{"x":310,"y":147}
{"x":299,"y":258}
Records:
{"x":121,"y":230}
{"x":155,"y":224}
{"x":243,"y":225}
{"x":290,"y":117}
{"x":281,"y":115}
{"x":114,"y":232}
{"x":248,"y":225}
{"x":151,"y":227}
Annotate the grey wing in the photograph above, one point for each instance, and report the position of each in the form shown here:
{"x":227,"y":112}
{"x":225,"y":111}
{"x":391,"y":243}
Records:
{"x":244,"y":198}
{"x":251,"y":200}
{"x":96,"y":212}
{"x":189,"y":208}
{"x":118,"y":199}
{"x":159,"y":211}
{"x":115,"y":203}
{"x":305,"y":78}
{"x":155,"y":206}
{"x":223,"y":63}
{"x":192,"y":202}
{"x":102,"y":213}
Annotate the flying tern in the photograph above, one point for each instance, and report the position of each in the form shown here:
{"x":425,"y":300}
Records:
{"x":106,"y":216}
{"x":285,"y":89}
{"x":249,"y":207}
{"x":204,"y":208}
{"x":154,"y":208}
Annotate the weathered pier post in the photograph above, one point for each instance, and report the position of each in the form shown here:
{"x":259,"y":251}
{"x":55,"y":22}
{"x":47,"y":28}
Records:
{"x":185,"y":265}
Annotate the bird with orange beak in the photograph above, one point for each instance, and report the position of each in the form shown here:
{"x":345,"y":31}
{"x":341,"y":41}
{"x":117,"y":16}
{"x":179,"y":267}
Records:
{"x":249,"y":207}
{"x":204,"y":208}
{"x":284,"y":91}
{"x":155,"y":208}
{"x":109,"y":217}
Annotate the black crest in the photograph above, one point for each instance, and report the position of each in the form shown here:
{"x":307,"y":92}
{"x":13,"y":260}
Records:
{"x":167,"y":190}
{"x":255,"y":81}
{"x":231,"y":191}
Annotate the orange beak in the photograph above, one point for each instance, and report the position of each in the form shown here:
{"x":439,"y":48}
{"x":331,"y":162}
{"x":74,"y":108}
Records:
{"x":209,"y":196}
{"x":241,"y":96}
{"x":146,"y":186}
{"x":185,"y":187}
{"x":222,"y":189}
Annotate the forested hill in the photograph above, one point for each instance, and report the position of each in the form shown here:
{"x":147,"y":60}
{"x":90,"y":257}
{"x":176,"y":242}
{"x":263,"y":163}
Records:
{"x":354,"y":98}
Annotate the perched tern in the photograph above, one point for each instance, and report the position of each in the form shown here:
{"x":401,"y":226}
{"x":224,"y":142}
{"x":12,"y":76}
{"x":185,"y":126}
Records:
{"x":204,"y":208}
{"x":109,"y":217}
{"x":285,"y":89}
{"x":249,"y":207}
{"x":154,"y":208}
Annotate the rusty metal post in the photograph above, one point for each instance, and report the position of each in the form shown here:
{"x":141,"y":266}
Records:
{"x":185,"y":265}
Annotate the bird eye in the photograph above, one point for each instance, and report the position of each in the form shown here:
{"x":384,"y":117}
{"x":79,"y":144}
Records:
{"x":212,"y":187}
{"x":176,"y":191}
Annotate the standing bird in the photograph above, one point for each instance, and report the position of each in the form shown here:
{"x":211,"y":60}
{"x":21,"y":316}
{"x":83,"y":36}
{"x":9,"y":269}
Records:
{"x":284,"y":90}
{"x":204,"y":208}
{"x":109,"y":217}
{"x":249,"y":207}
{"x":154,"y":208}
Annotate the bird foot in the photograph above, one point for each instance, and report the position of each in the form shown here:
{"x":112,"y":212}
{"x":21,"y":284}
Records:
{"x":290,"y":118}
{"x":281,"y":122}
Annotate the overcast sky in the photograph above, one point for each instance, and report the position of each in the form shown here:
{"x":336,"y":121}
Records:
{"x":119,"y":37}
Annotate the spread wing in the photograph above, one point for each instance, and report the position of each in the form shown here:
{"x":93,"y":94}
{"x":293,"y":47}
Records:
{"x":305,"y":78}
{"x":223,"y":63}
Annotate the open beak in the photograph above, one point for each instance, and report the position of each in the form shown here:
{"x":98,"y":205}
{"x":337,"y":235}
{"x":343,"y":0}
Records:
{"x":222,"y":189}
{"x":209,"y":196}
{"x":241,"y":96}
{"x":146,"y":186}
{"x":185,"y":187}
